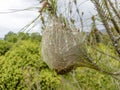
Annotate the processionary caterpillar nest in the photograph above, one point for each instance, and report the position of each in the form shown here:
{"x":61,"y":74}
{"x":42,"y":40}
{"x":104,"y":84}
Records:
{"x":62,"y":49}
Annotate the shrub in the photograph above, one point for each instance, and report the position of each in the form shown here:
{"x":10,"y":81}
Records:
{"x":23,"y":68}
{"x":4,"y":47}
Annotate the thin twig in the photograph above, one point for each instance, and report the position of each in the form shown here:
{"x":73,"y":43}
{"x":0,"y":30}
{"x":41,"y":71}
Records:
{"x":19,"y":10}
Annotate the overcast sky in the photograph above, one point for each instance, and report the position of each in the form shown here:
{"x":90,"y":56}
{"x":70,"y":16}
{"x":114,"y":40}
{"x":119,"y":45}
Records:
{"x":15,"y":21}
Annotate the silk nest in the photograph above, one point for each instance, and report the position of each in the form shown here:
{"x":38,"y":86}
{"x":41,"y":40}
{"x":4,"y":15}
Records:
{"x":63,"y":49}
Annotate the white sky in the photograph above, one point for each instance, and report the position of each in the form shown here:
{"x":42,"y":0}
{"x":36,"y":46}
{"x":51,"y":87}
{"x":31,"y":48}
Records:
{"x":15,"y":21}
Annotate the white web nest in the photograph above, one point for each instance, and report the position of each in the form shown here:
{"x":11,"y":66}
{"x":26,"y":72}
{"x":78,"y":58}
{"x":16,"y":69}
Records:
{"x":61,"y":48}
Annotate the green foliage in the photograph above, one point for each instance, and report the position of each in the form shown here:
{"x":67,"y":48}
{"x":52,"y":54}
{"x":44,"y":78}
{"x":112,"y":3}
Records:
{"x":105,"y":57}
{"x":92,"y":80}
{"x":11,"y":37}
{"x":87,"y":79}
{"x":36,"y":37}
{"x":23,"y":68}
{"x":23,"y":36}
{"x":4,"y":47}
{"x":14,"y":37}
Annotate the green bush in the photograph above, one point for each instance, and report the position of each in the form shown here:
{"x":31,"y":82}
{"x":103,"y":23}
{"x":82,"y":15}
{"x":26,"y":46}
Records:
{"x":23,"y":36}
{"x":4,"y":47}
{"x":11,"y":37}
{"x":23,"y":68}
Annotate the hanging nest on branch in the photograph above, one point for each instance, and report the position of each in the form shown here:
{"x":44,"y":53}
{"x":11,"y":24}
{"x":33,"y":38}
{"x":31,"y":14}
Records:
{"x":63,"y":49}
